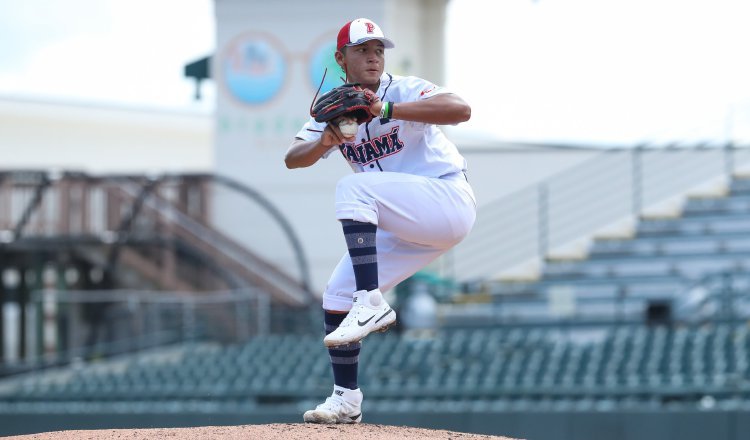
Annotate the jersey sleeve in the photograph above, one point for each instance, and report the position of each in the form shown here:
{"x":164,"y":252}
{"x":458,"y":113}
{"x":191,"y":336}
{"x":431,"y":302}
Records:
{"x":420,"y":89}
{"x":311,"y":131}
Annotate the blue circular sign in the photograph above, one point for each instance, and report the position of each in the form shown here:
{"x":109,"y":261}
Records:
{"x":253,"y":69}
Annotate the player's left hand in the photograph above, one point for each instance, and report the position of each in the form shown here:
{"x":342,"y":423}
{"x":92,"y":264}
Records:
{"x":376,"y":105}
{"x":347,"y":99}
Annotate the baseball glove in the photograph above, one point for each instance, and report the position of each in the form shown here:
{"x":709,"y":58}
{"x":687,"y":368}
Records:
{"x":345,"y":100}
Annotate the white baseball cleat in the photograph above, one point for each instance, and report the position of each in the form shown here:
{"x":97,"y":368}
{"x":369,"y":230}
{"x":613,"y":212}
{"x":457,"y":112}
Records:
{"x":344,"y":406}
{"x":370,"y":313}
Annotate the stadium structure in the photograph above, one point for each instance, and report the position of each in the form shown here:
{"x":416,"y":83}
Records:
{"x":155,"y":318}
{"x":603,"y":294}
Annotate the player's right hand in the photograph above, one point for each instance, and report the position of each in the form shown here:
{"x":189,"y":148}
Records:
{"x":332,"y":136}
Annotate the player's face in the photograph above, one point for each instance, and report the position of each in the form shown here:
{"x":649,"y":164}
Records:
{"x":365,"y":62}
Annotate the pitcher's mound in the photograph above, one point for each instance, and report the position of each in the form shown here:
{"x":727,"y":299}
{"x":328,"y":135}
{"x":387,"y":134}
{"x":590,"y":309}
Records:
{"x":285,"y":431}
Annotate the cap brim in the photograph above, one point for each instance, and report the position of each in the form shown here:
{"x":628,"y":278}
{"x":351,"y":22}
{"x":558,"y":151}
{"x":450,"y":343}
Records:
{"x":388,"y":44}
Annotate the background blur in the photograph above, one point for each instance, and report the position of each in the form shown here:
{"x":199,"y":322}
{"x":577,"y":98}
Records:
{"x":161,"y":267}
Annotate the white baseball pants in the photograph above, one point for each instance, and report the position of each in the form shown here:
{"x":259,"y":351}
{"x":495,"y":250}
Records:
{"x":418,"y":218}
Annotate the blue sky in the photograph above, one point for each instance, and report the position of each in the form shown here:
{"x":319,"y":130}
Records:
{"x":612,"y":72}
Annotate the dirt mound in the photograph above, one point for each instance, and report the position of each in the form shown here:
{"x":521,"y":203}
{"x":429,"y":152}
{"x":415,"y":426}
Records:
{"x":285,"y":431}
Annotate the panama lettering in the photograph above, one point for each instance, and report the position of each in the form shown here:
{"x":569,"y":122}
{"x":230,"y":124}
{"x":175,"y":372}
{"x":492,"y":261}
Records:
{"x":372,"y":150}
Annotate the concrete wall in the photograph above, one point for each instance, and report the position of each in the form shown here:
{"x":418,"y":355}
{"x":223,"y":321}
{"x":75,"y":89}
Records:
{"x":417,"y":28}
{"x":498,"y":170}
{"x":38,"y":134}
{"x":532,"y":425}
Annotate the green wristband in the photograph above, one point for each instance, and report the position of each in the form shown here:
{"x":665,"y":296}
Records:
{"x":384,"y":110}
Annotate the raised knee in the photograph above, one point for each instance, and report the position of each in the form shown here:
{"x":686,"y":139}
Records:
{"x":348,"y":186}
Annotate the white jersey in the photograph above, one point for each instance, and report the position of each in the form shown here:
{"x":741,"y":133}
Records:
{"x":398,"y":146}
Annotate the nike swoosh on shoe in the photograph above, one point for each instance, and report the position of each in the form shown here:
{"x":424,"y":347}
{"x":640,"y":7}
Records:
{"x":365,"y":322}
{"x":383,"y":315}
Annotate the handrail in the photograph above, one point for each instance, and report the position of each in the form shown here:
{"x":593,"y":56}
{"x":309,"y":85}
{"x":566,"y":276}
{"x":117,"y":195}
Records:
{"x":126,"y":222}
{"x":88,"y":207}
{"x":514,"y":235}
{"x":255,"y":196}
{"x":689,"y":305}
{"x":280,"y":218}
{"x":212,"y":239}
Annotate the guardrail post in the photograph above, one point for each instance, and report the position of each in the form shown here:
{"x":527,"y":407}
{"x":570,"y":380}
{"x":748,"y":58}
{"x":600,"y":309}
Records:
{"x":637,"y":180}
{"x":242,"y":309}
{"x":543,"y":221}
{"x":263,"y":313}
{"x":729,"y":160}
{"x":188,"y":321}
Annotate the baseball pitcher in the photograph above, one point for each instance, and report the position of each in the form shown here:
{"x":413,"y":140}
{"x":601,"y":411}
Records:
{"x":407,"y":203}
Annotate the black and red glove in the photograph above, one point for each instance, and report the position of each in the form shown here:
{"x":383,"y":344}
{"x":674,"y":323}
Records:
{"x":348,"y":100}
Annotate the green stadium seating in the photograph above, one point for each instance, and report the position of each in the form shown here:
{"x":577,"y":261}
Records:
{"x":479,"y":365}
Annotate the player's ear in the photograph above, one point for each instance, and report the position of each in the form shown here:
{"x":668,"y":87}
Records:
{"x":340,"y":57}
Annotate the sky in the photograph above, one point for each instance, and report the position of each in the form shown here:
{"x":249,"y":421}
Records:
{"x":129,"y":52}
{"x":599,"y":72}
{"x":605,"y":70}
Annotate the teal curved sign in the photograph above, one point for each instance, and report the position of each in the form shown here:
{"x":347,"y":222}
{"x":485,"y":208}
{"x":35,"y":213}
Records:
{"x":322,"y":59}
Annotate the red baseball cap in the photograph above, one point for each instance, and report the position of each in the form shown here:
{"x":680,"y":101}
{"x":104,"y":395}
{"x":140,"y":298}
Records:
{"x":360,"y":30}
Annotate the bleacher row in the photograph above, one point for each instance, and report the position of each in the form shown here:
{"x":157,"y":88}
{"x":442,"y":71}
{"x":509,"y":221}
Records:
{"x":479,"y":364}
{"x":663,"y":260}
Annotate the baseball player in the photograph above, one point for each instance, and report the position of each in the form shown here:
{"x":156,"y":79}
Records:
{"x":407,"y":203}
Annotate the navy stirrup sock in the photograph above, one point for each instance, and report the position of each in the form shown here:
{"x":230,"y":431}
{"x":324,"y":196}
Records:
{"x":344,"y":358}
{"x":360,"y":239}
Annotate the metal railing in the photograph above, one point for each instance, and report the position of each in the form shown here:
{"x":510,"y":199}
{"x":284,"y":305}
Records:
{"x":514,"y":235}
{"x":159,"y":211}
{"x":62,"y":326}
{"x":719,"y":296}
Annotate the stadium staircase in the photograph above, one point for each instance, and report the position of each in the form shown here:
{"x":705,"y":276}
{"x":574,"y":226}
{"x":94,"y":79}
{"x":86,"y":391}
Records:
{"x":703,"y":251}
{"x":650,"y":246}
{"x":98,"y":265}
{"x":145,"y":232}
